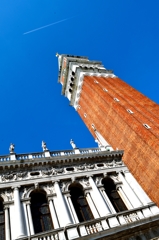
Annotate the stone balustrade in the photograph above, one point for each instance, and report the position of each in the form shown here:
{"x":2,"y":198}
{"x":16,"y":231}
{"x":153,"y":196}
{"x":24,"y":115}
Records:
{"x":99,"y":225}
{"x":51,"y":154}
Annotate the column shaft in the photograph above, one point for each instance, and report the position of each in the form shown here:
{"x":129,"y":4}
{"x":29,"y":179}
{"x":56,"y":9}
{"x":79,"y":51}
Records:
{"x":53,"y":214}
{"x":92,"y":206}
{"x":98,"y":199}
{"x":64,"y":213}
{"x":30,"y":220}
{"x":108,"y":201}
{"x":135,"y":202}
{"x":124,"y":198}
{"x":18,"y":216}
{"x":72,"y":209}
{"x":7,"y":224}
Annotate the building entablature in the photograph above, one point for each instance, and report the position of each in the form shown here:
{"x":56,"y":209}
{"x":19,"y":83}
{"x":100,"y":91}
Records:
{"x":59,"y":158}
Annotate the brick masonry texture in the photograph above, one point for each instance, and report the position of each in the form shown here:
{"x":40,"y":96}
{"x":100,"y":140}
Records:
{"x":123,"y":130}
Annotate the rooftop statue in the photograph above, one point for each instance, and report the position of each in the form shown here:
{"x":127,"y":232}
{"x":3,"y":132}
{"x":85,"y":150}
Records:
{"x":11,"y":148}
{"x":44,"y":146}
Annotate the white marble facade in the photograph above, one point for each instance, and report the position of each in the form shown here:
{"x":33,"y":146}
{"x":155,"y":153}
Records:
{"x":57,"y":175}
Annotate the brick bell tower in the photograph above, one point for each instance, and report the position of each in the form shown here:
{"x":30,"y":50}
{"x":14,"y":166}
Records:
{"x":115,"y":114}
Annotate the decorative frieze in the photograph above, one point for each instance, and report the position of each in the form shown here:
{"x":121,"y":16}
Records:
{"x":43,"y":172}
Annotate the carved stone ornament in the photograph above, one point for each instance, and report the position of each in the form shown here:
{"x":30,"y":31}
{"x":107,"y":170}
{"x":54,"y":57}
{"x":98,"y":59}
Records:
{"x":48,"y":172}
{"x":118,"y":162}
{"x":85,"y":181}
{"x":59,"y":170}
{"x":110,"y":163}
{"x":98,"y":180}
{"x":81,"y":167}
{"x":64,"y":186}
{"x":21,"y":174}
{"x":8,"y":176}
{"x":90,"y":166}
{"x":115,"y":178}
{"x":7,"y":195}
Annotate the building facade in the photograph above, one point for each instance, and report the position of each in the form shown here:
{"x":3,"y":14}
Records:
{"x":115,"y":114}
{"x":73,"y":194}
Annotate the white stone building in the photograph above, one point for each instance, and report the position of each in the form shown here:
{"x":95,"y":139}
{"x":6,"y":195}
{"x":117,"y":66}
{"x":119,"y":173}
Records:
{"x":75,"y":194}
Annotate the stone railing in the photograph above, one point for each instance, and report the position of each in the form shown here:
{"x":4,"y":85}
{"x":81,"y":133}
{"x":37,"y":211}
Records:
{"x":100,"y":225}
{"x":51,"y":154}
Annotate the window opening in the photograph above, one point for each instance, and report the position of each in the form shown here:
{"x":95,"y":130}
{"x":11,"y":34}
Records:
{"x":80,"y":204}
{"x":40,"y":212}
{"x":113,"y":195}
{"x":116,"y":99}
{"x":146,"y":126}
{"x":129,"y":111}
{"x":85,"y":115}
{"x":100,"y":165}
{"x":105,"y":90}
{"x":70,"y":169}
{"x":34,"y":173}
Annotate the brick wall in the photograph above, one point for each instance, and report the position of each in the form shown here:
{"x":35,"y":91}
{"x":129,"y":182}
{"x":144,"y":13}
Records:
{"x":123,"y":130}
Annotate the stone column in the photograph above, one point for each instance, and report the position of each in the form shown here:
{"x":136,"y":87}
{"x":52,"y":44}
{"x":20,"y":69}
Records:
{"x":31,"y":226}
{"x":72,"y":208}
{"x":7,"y":223}
{"x":18,"y":214}
{"x":135,"y":202}
{"x":53,"y":213}
{"x":26,"y":217}
{"x":65,"y":215}
{"x":107,"y":200}
{"x":124,"y":198}
{"x":91,"y":205}
{"x":98,"y":199}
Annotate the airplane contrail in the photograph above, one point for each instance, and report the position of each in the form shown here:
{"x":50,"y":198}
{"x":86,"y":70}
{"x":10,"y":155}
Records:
{"x":37,"y":29}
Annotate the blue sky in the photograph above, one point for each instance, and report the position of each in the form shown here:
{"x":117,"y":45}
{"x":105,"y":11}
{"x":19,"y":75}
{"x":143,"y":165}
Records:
{"x":123,"y":34}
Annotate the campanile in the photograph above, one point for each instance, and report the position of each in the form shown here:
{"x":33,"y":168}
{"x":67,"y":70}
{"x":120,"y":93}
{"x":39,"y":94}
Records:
{"x":116,"y":114}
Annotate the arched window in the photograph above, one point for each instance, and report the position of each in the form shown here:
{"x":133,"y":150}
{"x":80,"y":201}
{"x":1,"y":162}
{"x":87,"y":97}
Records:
{"x":40,"y":212}
{"x":113,"y":195}
{"x":80,"y":204}
{"x":2,"y":221}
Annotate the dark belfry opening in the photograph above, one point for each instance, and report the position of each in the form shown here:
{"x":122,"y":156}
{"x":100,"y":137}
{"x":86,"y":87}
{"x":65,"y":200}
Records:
{"x":114,"y":197}
{"x":80,"y":204}
{"x":70,"y":90}
{"x":2,"y":221}
{"x":40,"y":212}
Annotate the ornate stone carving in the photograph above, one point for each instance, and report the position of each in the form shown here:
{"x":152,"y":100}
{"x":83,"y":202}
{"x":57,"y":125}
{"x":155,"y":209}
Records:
{"x":110,"y":163}
{"x":98,"y":180}
{"x":90,"y":166}
{"x":81,"y":167}
{"x":8,"y":176}
{"x":21,"y":174}
{"x":48,"y":172}
{"x":118,"y":162}
{"x":85,"y":182}
{"x":7,"y":195}
{"x":59,"y":170}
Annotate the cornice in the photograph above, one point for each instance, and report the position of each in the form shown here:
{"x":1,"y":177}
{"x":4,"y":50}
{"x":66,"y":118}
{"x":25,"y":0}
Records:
{"x":84,"y":156}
